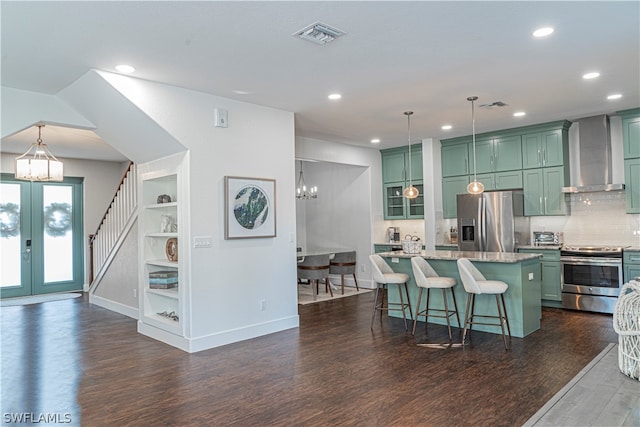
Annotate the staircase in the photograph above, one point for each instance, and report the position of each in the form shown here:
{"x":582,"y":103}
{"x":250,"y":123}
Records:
{"x":114,"y":227}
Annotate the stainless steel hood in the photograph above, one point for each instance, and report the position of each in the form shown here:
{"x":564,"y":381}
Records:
{"x":594,"y":159}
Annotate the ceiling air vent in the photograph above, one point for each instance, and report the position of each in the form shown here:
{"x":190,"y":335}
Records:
{"x":493,"y":104}
{"x":319,"y":33}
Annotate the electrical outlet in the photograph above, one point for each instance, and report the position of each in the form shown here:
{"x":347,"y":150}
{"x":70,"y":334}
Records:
{"x":395,"y":260}
{"x":363,"y":268}
{"x":135,"y":293}
{"x":530,"y":276}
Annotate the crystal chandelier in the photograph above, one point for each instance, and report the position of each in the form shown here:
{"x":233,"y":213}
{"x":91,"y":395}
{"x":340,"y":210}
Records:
{"x":38,"y":164}
{"x":302,"y":192}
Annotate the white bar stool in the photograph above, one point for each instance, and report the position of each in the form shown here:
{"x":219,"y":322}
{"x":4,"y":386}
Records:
{"x":427,"y":278}
{"x":384,"y":275}
{"x":475,"y":283}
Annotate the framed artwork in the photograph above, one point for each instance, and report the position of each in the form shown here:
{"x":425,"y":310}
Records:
{"x":250,"y":207}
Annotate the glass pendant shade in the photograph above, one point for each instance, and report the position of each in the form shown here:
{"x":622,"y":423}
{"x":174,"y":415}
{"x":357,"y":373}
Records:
{"x":475,"y":187}
{"x":411,"y":192}
{"x":38,"y":164}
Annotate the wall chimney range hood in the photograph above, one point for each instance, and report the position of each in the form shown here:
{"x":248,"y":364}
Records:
{"x":594,"y":157}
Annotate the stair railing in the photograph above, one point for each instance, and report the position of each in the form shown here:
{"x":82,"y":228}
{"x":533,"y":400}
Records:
{"x":114,"y":225}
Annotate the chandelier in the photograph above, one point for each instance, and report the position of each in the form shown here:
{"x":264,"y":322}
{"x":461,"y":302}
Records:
{"x":38,"y":164}
{"x":302,"y":192}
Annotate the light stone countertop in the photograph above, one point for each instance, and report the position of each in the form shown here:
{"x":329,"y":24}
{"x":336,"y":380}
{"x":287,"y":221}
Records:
{"x":543,"y":247}
{"x":499,"y":257}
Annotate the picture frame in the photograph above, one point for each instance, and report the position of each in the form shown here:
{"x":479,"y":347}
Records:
{"x":250,"y":207}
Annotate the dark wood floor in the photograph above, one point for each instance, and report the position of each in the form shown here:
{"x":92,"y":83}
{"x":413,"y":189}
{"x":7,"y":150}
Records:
{"x":84,"y":362}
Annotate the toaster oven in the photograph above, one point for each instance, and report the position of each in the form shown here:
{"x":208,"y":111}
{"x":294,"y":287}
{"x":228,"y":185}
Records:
{"x":542,"y":238}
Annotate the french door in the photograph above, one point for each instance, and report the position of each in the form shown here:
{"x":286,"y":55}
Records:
{"x":41,"y":245}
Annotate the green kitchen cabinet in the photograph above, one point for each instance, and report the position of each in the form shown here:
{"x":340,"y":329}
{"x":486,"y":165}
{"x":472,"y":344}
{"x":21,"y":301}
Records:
{"x":631,"y":264}
{"x":451,"y":187}
{"x":545,"y":149}
{"x":497,"y":154}
{"x":632,"y":184}
{"x":500,"y":180}
{"x":395,"y":164}
{"x":455,"y":159}
{"x":395,"y":176}
{"x":543,"y":191}
{"x":396,"y":206}
{"x":550,"y":265}
{"x":630,"y":132}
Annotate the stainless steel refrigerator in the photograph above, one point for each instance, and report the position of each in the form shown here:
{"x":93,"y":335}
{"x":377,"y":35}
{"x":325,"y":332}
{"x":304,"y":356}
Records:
{"x":493,"y":221}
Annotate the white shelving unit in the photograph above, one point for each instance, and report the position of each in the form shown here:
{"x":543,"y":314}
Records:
{"x":163,"y":312}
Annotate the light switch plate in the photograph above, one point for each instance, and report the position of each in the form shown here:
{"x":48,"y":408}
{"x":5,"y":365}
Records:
{"x":220,"y":118}
{"x":202,"y":242}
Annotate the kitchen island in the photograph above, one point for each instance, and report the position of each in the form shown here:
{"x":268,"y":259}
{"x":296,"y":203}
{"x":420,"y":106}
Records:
{"x":520,"y":271}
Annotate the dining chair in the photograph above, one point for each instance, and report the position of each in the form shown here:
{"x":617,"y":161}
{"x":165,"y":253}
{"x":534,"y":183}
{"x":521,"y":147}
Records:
{"x":315,"y":268}
{"x":344,"y":263}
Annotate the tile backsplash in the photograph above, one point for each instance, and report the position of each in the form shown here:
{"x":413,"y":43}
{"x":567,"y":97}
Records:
{"x":598,"y":218}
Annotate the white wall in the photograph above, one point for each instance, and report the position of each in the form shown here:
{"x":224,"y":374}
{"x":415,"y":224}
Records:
{"x":230,"y":279}
{"x":100,"y":184}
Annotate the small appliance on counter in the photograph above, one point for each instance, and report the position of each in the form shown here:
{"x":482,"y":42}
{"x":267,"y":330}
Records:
{"x":411,"y":244}
{"x":453,"y":235}
{"x":548,"y":238}
{"x":393,"y":234}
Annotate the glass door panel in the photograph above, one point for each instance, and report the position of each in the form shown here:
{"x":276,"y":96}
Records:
{"x":41,"y":245}
{"x":15,"y":227}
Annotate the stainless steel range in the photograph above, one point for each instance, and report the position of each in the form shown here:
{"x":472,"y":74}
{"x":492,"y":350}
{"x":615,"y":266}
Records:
{"x":591,"y":277}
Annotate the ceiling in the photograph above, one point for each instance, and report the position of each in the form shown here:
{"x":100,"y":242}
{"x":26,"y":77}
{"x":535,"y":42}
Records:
{"x":423,"y":56}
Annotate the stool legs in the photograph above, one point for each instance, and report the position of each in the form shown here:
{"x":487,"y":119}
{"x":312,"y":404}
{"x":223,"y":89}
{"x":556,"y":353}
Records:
{"x":502,"y":318}
{"x":378,"y":303}
{"x":447,"y":313}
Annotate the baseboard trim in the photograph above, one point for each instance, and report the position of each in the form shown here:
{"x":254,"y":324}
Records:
{"x":132,"y":312}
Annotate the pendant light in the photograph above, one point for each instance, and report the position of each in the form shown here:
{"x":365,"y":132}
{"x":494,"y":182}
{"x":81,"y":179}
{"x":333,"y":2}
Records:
{"x":410,"y":192}
{"x":38,"y":164}
{"x":474,"y":187}
{"x":301,"y":190}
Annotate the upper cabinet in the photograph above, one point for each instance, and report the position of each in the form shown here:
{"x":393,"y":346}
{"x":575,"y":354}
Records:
{"x":631,"y":132}
{"x":631,"y":148}
{"x":535,"y":158}
{"x":545,"y":149}
{"x":396,"y":167}
{"x":455,"y":158}
{"x":497,"y":154}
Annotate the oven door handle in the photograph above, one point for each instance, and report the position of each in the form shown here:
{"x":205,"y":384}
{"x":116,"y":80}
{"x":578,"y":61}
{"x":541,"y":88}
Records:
{"x":590,"y":261}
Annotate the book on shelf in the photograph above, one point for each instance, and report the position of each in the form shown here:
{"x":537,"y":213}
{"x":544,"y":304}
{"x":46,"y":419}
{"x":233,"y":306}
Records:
{"x":163,"y":285}
{"x":163,"y":274}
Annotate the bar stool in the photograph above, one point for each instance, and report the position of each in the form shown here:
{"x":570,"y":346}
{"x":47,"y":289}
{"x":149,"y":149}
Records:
{"x":427,"y":278}
{"x":344,"y":263}
{"x":315,"y":268}
{"x":475,"y":283}
{"x":384,"y":275}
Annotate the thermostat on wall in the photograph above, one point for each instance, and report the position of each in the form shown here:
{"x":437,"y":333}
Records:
{"x":220,"y":118}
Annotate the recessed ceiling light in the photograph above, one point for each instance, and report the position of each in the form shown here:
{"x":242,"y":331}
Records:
{"x":375,"y":141}
{"x":447,"y":127}
{"x":241,"y":92}
{"x":335,"y":96}
{"x":519,"y":114}
{"x":591,"y":75}
{"x":614,"y":96}
{"x":123,"y":68}
{"x":543,"y":32}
